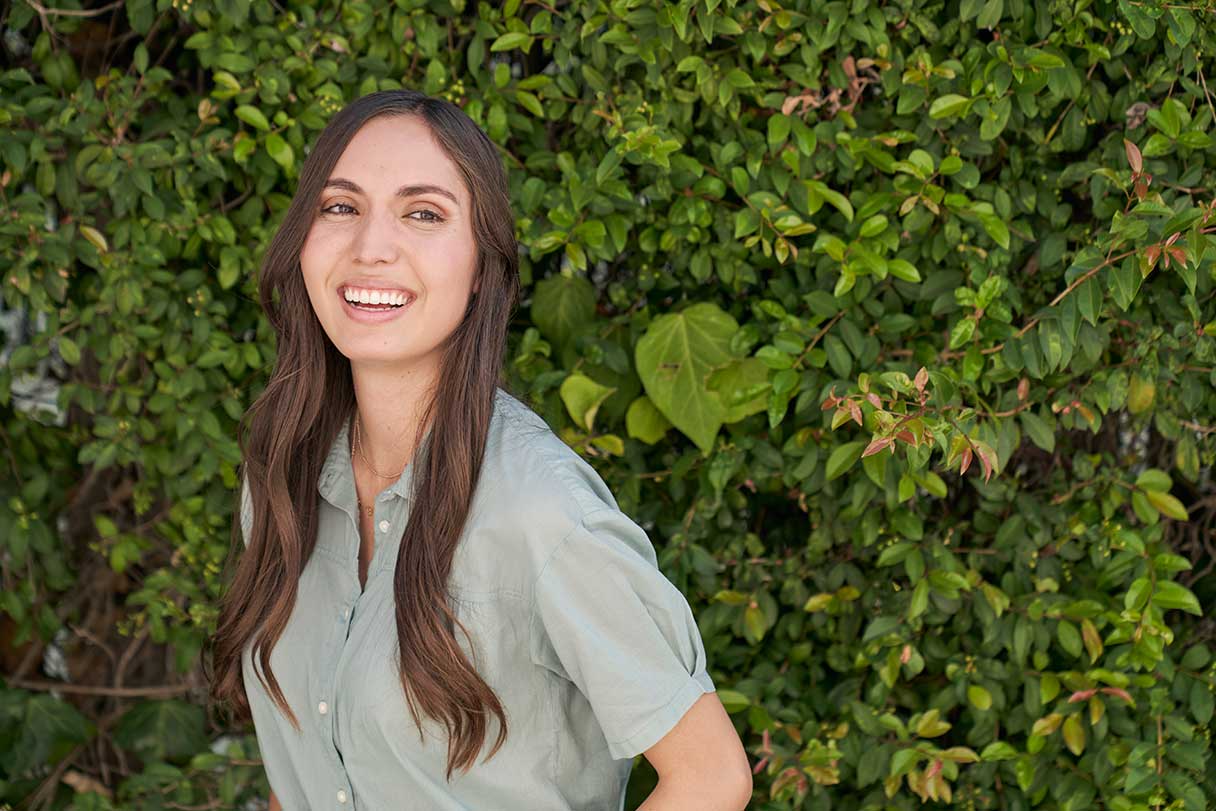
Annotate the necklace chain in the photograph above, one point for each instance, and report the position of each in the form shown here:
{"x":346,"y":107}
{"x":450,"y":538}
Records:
{"x":359,"y":450}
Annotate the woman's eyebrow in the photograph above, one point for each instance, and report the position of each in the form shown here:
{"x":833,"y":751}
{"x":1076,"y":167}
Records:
{"x":408,"y":190}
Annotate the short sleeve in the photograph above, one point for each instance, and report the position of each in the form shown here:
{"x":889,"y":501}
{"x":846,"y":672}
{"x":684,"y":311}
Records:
{"x":605,"y":617}
{"x":246,"y":511}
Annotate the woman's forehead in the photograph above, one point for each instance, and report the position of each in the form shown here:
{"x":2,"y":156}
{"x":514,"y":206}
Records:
{"x":387,"y":154}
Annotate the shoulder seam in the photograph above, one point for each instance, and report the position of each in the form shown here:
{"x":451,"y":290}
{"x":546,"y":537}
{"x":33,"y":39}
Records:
{"x":558,"y":462}
{"x":581,"y":524}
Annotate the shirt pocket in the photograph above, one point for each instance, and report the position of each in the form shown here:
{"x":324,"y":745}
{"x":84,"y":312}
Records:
{"x":496,"y":646}
{"x":497,"y":625}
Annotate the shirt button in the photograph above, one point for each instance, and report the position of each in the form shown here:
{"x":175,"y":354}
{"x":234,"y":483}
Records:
{"x":345,"y":613}
{"x":341,"y":796}
{"x":384,"y":526}
{"x":322,"y":708}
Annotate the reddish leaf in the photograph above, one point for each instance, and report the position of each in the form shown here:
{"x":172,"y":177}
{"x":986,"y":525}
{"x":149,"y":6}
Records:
{"x":1081,"y":695}
{"x":1119,"y":692}
{"x":878,"y":444}
{"x":1133,"y":156}
{"x":855,"y":411}
{"x":966,"y":456}
{"x":1152,"y":253}
{"x":985,"y":462}
{"x":922,"y":377}
{"x":874,"y":399}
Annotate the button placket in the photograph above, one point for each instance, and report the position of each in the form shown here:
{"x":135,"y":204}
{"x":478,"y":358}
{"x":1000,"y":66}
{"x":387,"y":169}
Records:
{"x":330,"y":722}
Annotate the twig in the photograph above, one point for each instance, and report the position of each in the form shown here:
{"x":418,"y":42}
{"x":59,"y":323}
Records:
{"x":68,"y":12}
{"x":1206,"y":94}
{"x":161,"y":691}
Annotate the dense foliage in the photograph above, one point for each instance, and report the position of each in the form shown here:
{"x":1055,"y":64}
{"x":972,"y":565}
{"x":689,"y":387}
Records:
{"x":892,"y":322}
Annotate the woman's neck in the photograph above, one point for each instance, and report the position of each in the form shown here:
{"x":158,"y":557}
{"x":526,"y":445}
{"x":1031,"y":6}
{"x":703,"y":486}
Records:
{"x":389,"y":407}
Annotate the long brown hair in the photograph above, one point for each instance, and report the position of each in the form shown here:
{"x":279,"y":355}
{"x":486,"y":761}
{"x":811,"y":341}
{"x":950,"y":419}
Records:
{"x":286,"y":434}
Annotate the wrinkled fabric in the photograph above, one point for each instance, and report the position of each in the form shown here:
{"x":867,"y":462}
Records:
{"x":593,"y":652}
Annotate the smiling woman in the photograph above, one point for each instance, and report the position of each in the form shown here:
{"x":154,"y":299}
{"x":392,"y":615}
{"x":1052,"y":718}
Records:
{"x":373,"y":235}
{"x":517,"y":594}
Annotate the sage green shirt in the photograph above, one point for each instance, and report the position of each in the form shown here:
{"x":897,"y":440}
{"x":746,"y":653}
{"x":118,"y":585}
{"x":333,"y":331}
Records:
{"x":592,"y":651}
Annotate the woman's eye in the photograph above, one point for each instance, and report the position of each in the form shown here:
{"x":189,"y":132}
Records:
{"x":428,"y":215}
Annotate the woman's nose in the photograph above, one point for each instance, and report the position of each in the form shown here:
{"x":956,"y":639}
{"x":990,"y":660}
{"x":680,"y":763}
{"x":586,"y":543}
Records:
{"x":377,"y":239}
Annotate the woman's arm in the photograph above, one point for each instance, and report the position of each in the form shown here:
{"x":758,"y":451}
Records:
{"x":274,"y":803}
{"x":701,"y":763}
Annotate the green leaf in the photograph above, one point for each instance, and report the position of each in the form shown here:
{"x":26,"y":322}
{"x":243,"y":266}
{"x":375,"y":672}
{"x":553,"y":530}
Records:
{"x":998,"y":750}
{"x":252,"y":116}
{"x":674,"y":360}
{"x":838,"y":200}
{"x":1038,"y":430}
{"x":645,"y":422}
{"x":979,"y":697}
{"x":741,"y":387}
{"x":68,"y":350}
{"x":1074,"y":734}
{"x":530,"y":103}
{"x":903,"y":269}
{"x":512,"y":40}
{"x":280,"y":151}
{"x":962,"y":332}
{"x":160,"y":730}
{"x":608,"y":164}
{"x":930,"y":724}
{"x":1169,"y":594}
{"x":583,"y":397}
{"x":1167,"y":504}
{"x":563,"y":305}
{"x":754,"y":622}
{"x":919,"y":601}
{"x":778,"y":129}
{"x":1069,"y":637}
{"x":842,"y":458}
{"x":1154,"y":479}
{"x":949,"y":105}
{"x":48,"y":725}
{"x":995,"y":228}
{"x":873,"y":226}
{"x":990,"y":14}
{"x":609,"y":443}
{"x":747,"y":220}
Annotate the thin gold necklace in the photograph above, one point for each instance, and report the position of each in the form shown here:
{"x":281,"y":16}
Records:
{"x":359,"y":450}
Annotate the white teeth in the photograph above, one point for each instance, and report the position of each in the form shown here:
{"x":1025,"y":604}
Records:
{"x":376,"y":297}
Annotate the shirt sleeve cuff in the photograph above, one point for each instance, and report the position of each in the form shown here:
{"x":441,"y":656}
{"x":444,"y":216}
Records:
{"x":665,"y":719}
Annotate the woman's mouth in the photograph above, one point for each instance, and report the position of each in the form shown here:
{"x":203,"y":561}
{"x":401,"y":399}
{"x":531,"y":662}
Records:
{"x":373,"y":313}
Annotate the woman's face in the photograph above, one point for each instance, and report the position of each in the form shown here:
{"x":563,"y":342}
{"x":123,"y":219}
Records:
{"x":395,"y":217}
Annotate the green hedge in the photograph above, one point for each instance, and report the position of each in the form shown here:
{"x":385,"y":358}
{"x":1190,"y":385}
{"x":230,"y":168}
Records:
{"x":892,"y":322}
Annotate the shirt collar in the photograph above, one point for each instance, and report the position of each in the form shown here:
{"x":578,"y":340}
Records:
{"x":336,"y":484}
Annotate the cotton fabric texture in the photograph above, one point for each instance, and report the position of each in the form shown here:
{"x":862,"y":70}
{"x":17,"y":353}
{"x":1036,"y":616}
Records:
{"x":593,"y":652}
